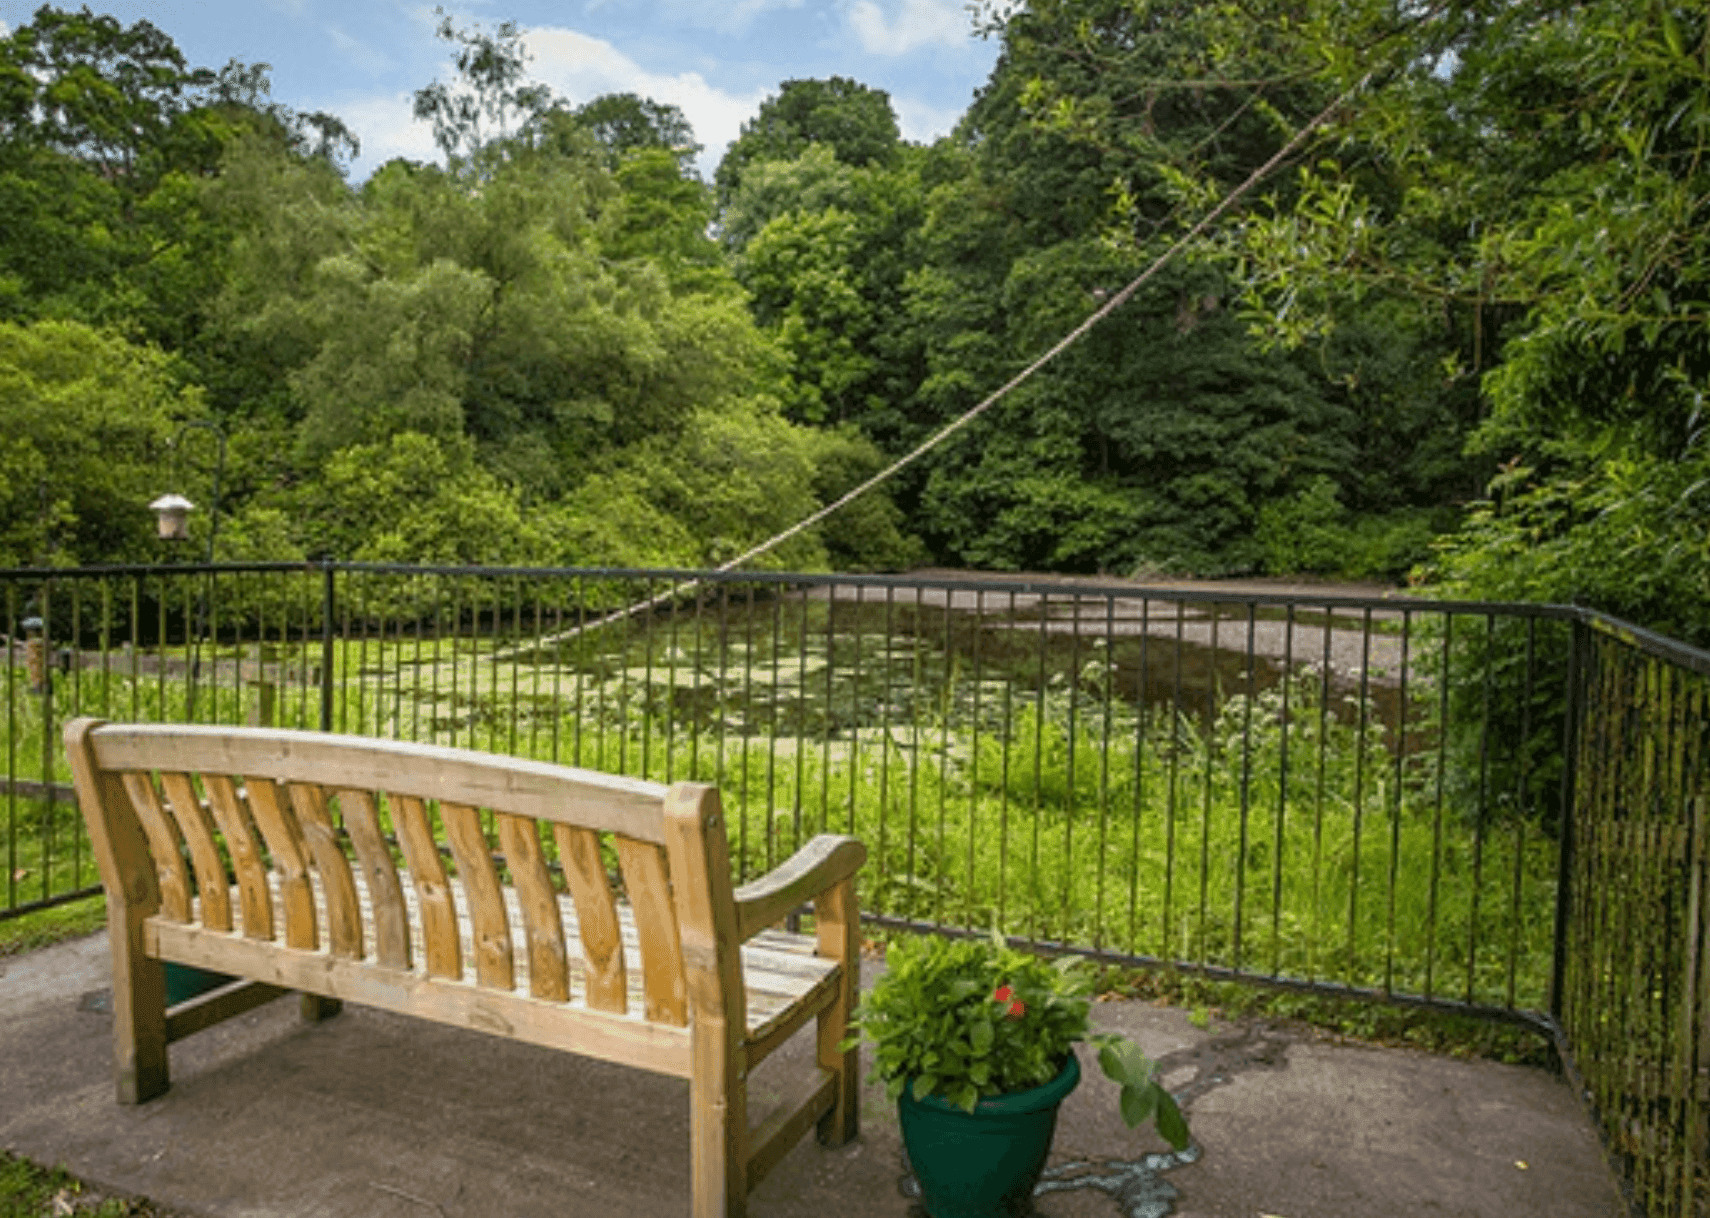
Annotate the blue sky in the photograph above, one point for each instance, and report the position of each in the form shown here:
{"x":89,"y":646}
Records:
{"x":362,"y":59}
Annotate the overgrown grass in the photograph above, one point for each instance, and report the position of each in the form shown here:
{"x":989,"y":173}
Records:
{"x":1284,"y":836}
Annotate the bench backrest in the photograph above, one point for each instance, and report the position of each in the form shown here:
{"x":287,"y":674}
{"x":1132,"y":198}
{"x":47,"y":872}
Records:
{"x":241,"y":801}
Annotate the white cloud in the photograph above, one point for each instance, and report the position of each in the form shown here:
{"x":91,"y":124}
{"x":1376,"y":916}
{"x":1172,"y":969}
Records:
{"x":917,"y":23}
{"x":388,"y":128}
{"x":581,"y":68}
{"x":923,"y":123}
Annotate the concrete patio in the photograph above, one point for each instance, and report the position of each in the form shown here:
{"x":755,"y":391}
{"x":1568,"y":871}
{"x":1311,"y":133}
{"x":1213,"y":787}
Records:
{"x":376,"y":1115}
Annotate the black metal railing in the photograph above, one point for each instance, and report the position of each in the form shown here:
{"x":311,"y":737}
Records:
{"x":1350,"y":795}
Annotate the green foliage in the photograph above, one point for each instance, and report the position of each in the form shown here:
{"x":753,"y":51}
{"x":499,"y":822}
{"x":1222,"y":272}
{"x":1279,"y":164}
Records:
{"x":853,"y":119}
{"x":965,"y":1018}
{"x":413,"y":498}
{"x":86,"y":418}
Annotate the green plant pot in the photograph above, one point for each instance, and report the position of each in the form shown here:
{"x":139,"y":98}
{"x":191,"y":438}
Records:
{"x":184,"y":982}
{"x":983,"y":1164}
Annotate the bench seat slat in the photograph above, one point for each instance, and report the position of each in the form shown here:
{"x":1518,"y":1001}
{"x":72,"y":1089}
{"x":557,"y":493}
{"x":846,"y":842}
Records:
{"x":778,"y":968}
{"x":629,"y":1040}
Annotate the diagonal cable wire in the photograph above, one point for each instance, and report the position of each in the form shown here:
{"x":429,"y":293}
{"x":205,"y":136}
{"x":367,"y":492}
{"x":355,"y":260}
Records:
{"x":1015,"y":382}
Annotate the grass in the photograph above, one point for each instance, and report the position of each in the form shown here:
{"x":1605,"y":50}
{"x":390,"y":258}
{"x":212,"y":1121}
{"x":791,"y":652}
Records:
{"x":29,"y":1190}
{"x":31,"y":931}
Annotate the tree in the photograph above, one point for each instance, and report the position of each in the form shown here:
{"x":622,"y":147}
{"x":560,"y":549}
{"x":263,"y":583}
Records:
{"x":852,"y":118}
{"x":116,"y":98}
{"x":625,"y":123}
{"x":491,"y":101}
{"x":86,"y":418}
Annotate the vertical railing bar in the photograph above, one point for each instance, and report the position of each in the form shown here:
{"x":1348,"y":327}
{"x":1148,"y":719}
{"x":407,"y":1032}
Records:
{"x":1437,"y":812}
{"x":327,"y":612}
{"x":1141,"y":679}
{"x":1107,"y":678}
{"x":136,"y":648}
{"x":1213,"y":697}
{"x":1246,"y":779}
{"x":160,"y":654}
{"x":806,"y":597}
{"x":456,"y":657}
{"x":830,"y":721}
{"x":977,"y":646}
{"x":1483,"y":802}
{"x":1324,"y":672}
{"x":1071,"y":791}
{"x":673,"y":635}
{"x":723,"y":683}
{"x":695,"y":725}
{"x":1521,"y":808}
{"x":916,"y":684}
{"x":855,"y":708}
{"x":1003,"y":782}
{"x":1364,"y":715}
{"x":514,"y":659}
{"x":947,"y":665}
{"x":581,"y":656}
{"x":1172,"y":790}
{"x":748,"y":715}
{"x":1396,"y":807}
{"x":537,"y":651}
{"x":647,"y":693}
{"x":776,"y":701}
{"x":1283,"y":727}
{"x":12,"y":742}
{"x":1573,"y":728}
{"x":1038,"y":763}
{"x":884,"y":859}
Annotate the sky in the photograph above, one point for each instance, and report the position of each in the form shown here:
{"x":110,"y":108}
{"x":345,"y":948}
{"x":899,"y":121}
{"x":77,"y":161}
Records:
{"x":364,"y":59}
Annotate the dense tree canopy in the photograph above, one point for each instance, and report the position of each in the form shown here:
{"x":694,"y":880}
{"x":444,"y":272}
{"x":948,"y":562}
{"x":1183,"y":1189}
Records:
{"x":1464,"y":328}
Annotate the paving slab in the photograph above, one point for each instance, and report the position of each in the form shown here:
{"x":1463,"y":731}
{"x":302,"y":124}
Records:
{"x":378,"y":1115}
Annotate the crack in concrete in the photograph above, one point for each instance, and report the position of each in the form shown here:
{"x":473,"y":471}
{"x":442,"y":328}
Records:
{"x":1136,"y":1186}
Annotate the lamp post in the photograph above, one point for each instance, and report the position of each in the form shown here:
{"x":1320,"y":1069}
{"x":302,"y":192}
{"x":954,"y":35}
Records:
{"x":172,"y":511}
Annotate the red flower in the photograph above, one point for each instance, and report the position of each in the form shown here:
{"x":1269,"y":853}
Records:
{"x":1015,"y":1008}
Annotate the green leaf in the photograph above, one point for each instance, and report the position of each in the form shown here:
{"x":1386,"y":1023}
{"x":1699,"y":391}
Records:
{"x":1122,"y":1062}
{"x":1171,"y":1124}
{"x":980,"y":1036}
{"x":1137,"y":1104}
{"x":924,"y":1085}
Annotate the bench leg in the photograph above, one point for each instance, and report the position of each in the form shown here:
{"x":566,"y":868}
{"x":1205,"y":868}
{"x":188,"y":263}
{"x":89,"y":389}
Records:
{"x":315,"y":1008}
{"x":718,"y":1126}
{"x":839,"y":935}
{"x":139,"y":1031}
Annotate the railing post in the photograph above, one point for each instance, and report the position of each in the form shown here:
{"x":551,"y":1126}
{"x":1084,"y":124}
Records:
{"x":1573,"y":724}
{"x":327,"y":572}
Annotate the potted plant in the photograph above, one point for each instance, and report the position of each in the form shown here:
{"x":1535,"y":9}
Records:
{"x":974,"y":1041}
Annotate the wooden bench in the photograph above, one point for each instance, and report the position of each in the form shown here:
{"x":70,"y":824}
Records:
{"x":310,"y":862}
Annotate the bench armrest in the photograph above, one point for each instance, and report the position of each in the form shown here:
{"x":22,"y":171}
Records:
{"x":822,"y":864}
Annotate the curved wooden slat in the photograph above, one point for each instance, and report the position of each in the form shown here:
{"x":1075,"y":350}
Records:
{"x":493,"y":963}
{"x":433,"y":891}
{"x":596,"y":917}
{"x":344,"y":914}
{"x":245,"y":853}
{"x":391,"y":921}
{"x":290,"y":859}
{"x":164,"y":845}
{"x":662,"y":981}
{"x":539,"y":789}
{"x":214,"y":898}
{"x":548,"y":971}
